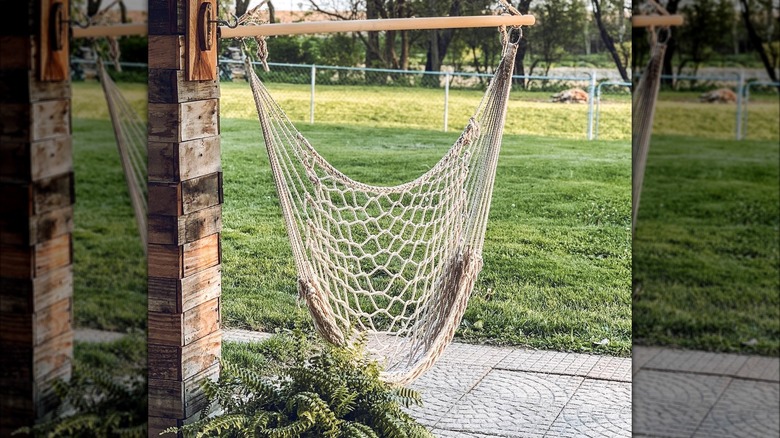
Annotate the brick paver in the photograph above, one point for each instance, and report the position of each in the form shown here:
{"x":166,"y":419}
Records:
{"x":479,"y":391}
{"x":689,"y":394}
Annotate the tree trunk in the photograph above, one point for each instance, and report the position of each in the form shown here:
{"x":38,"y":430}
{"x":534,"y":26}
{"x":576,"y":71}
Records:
{"x":372,"y":55}
{"x":523,"y":6}
{"x":608,"y":42}
{"x":671,"y":48}
{"x":755,"y":41}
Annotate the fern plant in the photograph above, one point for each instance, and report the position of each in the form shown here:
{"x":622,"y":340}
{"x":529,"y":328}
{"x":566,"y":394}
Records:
{"x":334,"y":393}
{"x":94,"y":403}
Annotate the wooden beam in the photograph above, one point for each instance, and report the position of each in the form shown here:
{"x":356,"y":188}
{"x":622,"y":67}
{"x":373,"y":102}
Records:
{"x":114,"y":30}
{"x":422,"y":23}
{"x":657,"y":20}
{"x":185,"y":222}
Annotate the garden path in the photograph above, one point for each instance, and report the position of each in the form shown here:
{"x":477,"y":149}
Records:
{"x":482,"y":391}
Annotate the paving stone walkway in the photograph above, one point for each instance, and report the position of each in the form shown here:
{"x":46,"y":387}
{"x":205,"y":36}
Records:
{"x":679,"y":393}
{"x":485,"y":392}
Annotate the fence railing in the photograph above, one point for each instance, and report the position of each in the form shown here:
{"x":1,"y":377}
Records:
{"x":316,"y":75}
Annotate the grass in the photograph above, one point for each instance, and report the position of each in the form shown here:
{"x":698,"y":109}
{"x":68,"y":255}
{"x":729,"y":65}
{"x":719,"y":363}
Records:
{"x":680,"y":113}
{"x":530,"y":113}
{"x":706,"y":252}
{"x":557,"y":254}
{"x":108,"y":260}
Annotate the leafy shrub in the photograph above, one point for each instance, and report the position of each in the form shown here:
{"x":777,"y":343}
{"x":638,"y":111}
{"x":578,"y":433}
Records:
{"x":335,"y":392}
{"x":95,"y":403}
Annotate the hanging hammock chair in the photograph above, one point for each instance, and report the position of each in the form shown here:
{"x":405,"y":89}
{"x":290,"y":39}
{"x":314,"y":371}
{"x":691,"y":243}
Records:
{"x":643,"y":111}
{"x":130,"y":136}
{"x":395,"y":263}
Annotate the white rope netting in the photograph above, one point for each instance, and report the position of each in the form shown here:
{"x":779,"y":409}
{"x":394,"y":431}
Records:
{"x":130,"y":134}
{"x":643,"y":108}
{"x":397,"y":263}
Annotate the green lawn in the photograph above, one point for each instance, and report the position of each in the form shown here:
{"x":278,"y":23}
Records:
{"x":529,"y":113}
{"x":706,"y":252}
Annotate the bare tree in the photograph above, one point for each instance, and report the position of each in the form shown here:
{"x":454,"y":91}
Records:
{"x":379,"y":53}
{"x":756,"y":41}
{"x":608,"y":41}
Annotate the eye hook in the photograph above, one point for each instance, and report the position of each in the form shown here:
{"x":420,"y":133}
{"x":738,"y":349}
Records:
{"x":232,"y":25}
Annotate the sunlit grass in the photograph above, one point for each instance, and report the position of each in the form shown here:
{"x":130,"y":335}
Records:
{"x":706,"y":252}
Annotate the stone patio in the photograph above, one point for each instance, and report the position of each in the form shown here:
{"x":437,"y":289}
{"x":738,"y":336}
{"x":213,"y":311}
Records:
{"x":486,"y":392}
{"x":680,"y":393}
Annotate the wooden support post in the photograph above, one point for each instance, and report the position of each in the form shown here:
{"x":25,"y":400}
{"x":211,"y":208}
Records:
{"x":185,"y":221}
{"x":36,"y":218}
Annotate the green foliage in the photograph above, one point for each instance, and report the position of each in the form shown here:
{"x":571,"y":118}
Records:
{"x":328,"y":392}
{"x":96,"y":403}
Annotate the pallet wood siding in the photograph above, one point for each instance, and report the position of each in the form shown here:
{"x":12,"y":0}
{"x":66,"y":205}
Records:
{"x":36,"y":216}
{"x":185,"y":222}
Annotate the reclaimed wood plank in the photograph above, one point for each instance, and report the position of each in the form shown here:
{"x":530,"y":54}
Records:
{"x":53,"y":61}
{"x":53,"y":254}
{"x":164,"y":261}
{"x":165,"y":329}
{"x":53,"y":321}
{"x":170,"y":86}
{"x":52,"y":359}
{"x":165,"y":199}
{"x":169,"y":295}
{"x":175,"y":162}
{"x":201,"y":62}
{"x":201,"y":192}
{"x":29,"y":295}
{"x":201,"y":254}
{"x":50,"y":118}
{"x":165,"y":52}
{"x":201,"y":320}
{"x":171,"y":230}
{"x":178,"y":122}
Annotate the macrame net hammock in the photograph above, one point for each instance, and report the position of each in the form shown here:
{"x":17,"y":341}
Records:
{"x":643,"y":111}
{"x":396,"y":263}
{"x":130,"y":135}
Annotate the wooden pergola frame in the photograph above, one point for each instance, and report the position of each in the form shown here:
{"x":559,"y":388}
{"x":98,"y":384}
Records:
{"x":184,"y":189}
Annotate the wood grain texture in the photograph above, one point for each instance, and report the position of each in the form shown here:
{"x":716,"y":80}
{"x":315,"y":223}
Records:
{"x":171,"y":86}
{"x":177,"y":122}
{"x":53,"y":254}
{"x":21,"y":85}
{"x":164,"y":261}
{"x":17,"y":230}
{"x":176,"y":162}
{"x":179,"y":399}
{"x":201,"y":320}
{"x":172,"y":230}
{"x":201,"y":64}
{"x":165,"y":52}
{"x":170,"y":362}
{"x":29,"y":295}
{"x":31,"y":161}
{"x":53,"y":62}
{"x":201,"y":254}
{"x":168,"y":295}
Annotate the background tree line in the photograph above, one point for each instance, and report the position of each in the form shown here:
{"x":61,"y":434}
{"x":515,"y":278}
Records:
{"x":721,"y":33}
{"x":567,"y":32}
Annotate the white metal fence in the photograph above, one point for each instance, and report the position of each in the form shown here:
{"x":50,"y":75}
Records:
{"x":321,"y":75}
